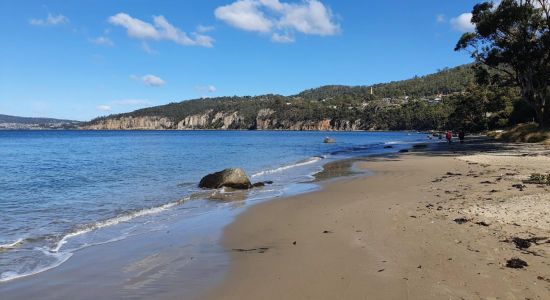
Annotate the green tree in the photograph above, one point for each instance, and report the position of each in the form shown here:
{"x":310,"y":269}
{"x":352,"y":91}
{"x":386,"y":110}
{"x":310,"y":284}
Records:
{"x":513,"y":41}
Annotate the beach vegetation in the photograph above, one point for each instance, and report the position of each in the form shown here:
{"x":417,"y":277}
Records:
{"x":537,"y":178}
{"x":524,"y":133}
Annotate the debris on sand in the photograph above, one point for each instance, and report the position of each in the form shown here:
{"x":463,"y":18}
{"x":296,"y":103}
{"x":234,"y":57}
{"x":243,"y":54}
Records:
{"x":522,"y":243}
{"x":519,"y":186}
{"x":453,"y":174}
{"x":482,"y":223}
{"x":259,"y":250}
{"x":461,"y":220}
{"x":516,"y":263}
{"x":327,"y":231}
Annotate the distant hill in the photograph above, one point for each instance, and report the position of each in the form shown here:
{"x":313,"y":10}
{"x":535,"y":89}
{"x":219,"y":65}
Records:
{"x":14,"y":122}
{"x":324,"y":108}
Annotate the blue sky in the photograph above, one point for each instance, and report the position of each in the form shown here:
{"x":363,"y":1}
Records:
{"x":82,"y":59}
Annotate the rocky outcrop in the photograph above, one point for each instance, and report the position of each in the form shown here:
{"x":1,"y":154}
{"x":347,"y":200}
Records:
{"x":229,"y":121}
{"x":262,"y":183}
{"x":266,"y":119}
{"x":195,"y":121}
{"x":131,"y":123}
{"x":233,"y":178}
{"x":329,"y":140}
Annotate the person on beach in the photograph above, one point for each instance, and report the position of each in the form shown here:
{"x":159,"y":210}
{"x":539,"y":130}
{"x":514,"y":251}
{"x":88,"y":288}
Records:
{"x":461,"y":136}
{"x":449,"y":136}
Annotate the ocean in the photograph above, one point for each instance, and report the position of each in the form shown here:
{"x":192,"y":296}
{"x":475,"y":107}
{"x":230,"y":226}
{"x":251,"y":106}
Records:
{"x":63,"y":191}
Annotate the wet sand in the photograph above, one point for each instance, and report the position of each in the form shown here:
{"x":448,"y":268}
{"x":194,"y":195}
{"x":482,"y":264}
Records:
{"x":422,"y":227}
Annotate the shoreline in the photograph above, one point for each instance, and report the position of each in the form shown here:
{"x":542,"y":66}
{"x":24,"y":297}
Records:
{"x":217,"y":196}
{"x":108,"y":256}
{"x":396,"y":234}
{"x":256,"y":247}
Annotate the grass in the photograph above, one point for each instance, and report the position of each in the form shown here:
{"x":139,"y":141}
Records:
{"x":523,"y":133}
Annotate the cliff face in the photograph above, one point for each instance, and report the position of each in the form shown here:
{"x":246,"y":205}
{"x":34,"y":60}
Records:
{"x":131,"y":123}
{"x":264,"y":120}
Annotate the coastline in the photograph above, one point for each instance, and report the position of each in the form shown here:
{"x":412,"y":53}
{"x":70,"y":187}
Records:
{"x":379,"y":231}
{"x":147,"y":264}
{"x":393,"y":235}
{"x":105,"y":263}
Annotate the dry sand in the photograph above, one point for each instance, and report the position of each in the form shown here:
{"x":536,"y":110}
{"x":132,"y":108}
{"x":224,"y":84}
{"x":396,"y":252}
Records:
{"x":393,"y":235}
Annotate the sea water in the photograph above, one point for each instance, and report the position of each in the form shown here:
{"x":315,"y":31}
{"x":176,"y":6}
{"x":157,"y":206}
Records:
{"x":62,"y":191}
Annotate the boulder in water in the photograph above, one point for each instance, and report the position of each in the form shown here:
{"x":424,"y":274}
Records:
{"x":329,"y":140}
{"x":262,"y":183}
{"x":232,"y":178}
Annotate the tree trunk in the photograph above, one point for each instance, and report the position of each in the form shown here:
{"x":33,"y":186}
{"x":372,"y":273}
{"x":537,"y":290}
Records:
{"x":540,"y":115}
{"x":545,"y":117}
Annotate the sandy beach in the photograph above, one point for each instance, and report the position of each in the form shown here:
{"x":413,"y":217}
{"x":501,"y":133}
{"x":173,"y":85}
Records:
{"x":442,"y":222}
{"x":425,"y":225}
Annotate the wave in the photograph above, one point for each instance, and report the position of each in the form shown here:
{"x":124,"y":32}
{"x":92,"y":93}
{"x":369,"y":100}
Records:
{"x":11,"y":245}
{"x":125,"y":217}
{"x":62,"y":256}
{"x":308,"y":161}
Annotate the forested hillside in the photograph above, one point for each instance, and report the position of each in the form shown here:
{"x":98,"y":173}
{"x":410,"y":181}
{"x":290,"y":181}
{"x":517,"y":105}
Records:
{"x":419,"y":103}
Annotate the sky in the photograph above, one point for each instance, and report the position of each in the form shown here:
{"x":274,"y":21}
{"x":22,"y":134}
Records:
{"x":83,"y":59}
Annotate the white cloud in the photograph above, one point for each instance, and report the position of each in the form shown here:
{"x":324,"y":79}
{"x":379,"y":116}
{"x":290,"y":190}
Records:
{"x":104,"y":108}
{"x":150,"y":80}
{"x":463,"y":23}
{"x":441,"y":18}
{"x":311,"y":17}
{"x":280,"y":19}
{"x":282,"y":38}
{"x":244,"y":14}
{"x":51,"y":20}
{"x":272,"y":4}
{"x":161,"y":29}
{"x":102,"y":40}
{"x":205,"y":90}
